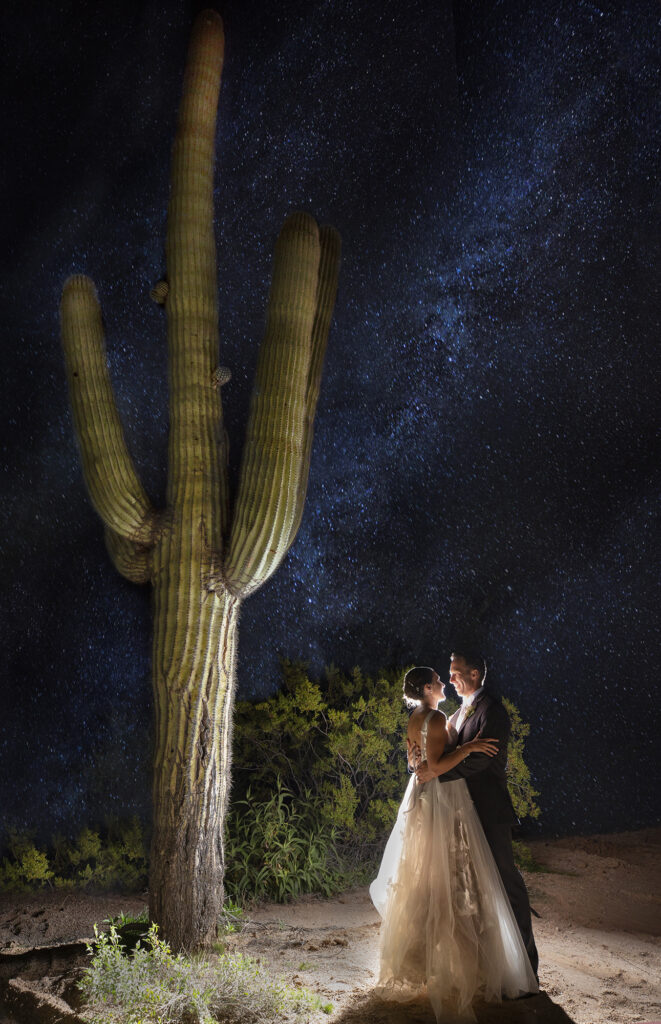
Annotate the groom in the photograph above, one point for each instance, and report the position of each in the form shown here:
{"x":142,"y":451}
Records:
{"x":481,"y":712}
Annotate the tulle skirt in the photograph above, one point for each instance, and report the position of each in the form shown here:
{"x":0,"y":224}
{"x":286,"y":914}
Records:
{"x":447,"y":927}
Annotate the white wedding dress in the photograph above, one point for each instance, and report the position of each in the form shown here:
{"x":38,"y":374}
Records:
{"x":448,"y":928}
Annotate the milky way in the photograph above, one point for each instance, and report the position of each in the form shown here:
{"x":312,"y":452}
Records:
{"x":483,"y":451}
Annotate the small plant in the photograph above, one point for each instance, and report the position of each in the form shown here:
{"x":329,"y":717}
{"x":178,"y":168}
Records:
{"x":122,"y":919}
{"x":231,"y":919}
{"x":524,"y":857}
{"x":131,"y":928}
{"x":154,"y":985}
{"x":278,"y":848}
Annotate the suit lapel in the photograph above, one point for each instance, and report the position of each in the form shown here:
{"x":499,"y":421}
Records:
{"x":467,"y":721}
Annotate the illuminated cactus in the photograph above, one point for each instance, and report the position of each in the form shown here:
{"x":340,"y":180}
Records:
{"x":200,"y":560}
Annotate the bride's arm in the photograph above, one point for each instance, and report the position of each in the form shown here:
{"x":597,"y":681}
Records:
{"x":438,"y":762}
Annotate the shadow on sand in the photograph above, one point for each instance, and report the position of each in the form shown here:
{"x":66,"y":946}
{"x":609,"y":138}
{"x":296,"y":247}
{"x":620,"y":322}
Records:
{"x":539,"y":1009}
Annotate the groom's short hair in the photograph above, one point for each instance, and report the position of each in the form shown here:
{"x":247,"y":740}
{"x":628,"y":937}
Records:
{"x":415,"y":681}
{"x":473,"y":659}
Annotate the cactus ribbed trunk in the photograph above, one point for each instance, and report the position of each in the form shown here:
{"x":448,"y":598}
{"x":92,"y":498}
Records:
{"x":201,"y":560}
{"x":193,"y":676}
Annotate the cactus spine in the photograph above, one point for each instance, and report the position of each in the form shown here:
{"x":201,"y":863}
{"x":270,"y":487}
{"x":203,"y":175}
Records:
{"x":201,"y":560}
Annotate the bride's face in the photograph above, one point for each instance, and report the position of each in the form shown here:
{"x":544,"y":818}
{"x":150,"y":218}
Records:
{"x":437,"y":688}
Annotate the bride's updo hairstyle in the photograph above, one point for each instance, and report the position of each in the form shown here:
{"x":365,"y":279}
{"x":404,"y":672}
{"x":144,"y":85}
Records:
{"x":415,"y":681}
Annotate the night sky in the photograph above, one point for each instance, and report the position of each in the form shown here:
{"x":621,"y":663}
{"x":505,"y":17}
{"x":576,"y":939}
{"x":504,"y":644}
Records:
{"x":483,"y":450}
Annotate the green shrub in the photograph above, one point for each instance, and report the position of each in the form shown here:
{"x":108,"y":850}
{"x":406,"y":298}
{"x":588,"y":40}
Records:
{"x":518,"y":774}
{"x":338,"y":747}
{"x":27,"y":867}
{"x":278,"y":849}
{"x":116,"y":858}
{"x":119,"y":859}
{"x":154,"y":985}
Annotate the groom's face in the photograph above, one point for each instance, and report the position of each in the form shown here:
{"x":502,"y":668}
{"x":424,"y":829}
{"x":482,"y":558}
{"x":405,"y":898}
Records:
{"x":462,"y":677}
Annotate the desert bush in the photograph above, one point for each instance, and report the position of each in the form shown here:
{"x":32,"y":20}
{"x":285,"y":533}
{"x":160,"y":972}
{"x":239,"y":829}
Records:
{"x":518,"y":774}
{"x":26,"y":867}
{"x":337,"y":744}
{"x":98,"y":860}
{"x":154,"y":985}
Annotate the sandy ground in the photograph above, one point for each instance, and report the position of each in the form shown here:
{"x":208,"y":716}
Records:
{"x":599,"y":937}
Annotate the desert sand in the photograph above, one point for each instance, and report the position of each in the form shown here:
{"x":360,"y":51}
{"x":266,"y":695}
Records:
{"x":598,"y":933}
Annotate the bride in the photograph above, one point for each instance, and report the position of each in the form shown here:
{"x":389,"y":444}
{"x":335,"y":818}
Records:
{"x":447,"y":922}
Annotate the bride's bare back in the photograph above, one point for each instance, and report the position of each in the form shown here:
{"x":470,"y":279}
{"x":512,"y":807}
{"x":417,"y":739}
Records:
{"x":437,"y":734}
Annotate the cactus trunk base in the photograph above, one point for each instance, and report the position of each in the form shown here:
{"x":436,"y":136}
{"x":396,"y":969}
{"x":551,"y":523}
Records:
{"x":192,"y":778}
{"x":186,"y":882}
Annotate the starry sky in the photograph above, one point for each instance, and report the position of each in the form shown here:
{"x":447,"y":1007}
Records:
{"x":483,"y":455}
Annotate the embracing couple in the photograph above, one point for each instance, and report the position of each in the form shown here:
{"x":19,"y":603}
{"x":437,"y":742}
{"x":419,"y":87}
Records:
{"x":456,"y":916}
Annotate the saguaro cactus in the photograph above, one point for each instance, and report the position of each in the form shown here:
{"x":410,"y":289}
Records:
{"x":201,"y":558}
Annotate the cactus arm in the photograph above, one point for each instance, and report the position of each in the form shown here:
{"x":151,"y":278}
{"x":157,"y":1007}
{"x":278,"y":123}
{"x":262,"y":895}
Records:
{"x":111,"y":479}
{"x":197,"y":473}
{"x":132,"y":560}
{"x":270,"y":470}
{"x":329,"y":268}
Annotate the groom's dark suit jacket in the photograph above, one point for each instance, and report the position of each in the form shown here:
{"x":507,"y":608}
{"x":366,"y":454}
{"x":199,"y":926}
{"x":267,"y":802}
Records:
{"x":485,"y":776}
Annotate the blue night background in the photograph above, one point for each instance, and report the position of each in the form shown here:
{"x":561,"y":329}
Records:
{"x":484,"y":444}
